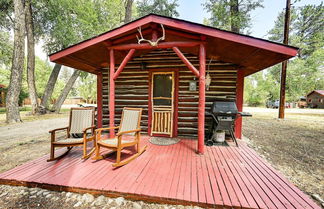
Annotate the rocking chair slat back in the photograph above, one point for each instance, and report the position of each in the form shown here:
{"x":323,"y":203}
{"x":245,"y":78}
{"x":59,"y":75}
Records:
{"x":80,"y":119}
{"x":131,"y":118}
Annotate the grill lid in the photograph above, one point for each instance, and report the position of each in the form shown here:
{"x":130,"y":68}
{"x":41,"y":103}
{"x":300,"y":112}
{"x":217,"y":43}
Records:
{"x":224,"y":107}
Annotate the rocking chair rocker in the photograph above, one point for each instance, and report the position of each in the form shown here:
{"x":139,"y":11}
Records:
{"x":81,"y":121}
{"x":129,"y":125}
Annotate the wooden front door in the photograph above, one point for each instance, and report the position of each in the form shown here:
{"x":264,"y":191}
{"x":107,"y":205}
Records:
{"x":162,"y":96}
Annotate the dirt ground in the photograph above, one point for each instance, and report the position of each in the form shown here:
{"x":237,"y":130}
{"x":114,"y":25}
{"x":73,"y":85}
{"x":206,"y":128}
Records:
{"x":294,"y":146}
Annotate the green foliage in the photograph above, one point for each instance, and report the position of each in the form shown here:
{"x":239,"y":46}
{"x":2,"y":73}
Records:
{"x":65,"y":22}
{"x":222,"y":18}
{"x":6,"y":48}
{"x":42,"y":72}
{"x":160,"y":7}
{"x":259,"y":88}
{"x":23,"y":95}
{"x":6,"y":9}
{"x":305,"y":31}
{"x":304,"y":73}
{"x":87,"y":87}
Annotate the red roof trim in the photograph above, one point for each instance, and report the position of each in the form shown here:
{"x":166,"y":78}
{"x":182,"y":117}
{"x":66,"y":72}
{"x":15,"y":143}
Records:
{"x":100,"y":38}
{"x":184,"y":25}
{"x":321,"y":92}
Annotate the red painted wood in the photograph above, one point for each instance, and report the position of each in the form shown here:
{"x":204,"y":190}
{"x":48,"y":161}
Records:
{"x":235,"y":180}
{"x":212,"y":177}
{"x":201,"y":104}
{"x":162,"y":171}
{"x":291,"y":190}
{"x":258,"y":188}
{"x":176,"y":173}
{"x":183,"y":25}
{"x":182,"y":167}
{"x":265,"y":185}
{"x":282,"y":190}
{"x":244,"y":183}
{"x":149,"y":122}
{"x":112,"y":93}
{"x":225,"y":35}
{"x":231,"y":177}
{"x":227,"y":181}
{"x":99,"y":100}
{"x":181,"y":34}
{"x":176,"y":103}
{"x":163,"y":189}
{"x":201,"y":188}
{"x":101,"y":38}
{"x":161,"y":45}
{"x":130,"y":37}
{"x":239,"y":102}
{"x":187,"y":173}
{"x":206,"y":182}
{"x":124,"y":63}
{"x":186,"y":61}
{"x":194,"y":179}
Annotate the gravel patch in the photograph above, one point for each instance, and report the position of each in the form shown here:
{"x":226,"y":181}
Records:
{"x":22,"y":197}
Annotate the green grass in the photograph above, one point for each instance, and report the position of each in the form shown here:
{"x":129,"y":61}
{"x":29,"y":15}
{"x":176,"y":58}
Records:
{"x":28,"y":109}
{"x":22,"y":109}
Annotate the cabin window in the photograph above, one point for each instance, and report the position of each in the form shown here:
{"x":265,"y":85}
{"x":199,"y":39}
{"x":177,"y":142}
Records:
{"x":162,"y":89}
{"x":309,"y":100}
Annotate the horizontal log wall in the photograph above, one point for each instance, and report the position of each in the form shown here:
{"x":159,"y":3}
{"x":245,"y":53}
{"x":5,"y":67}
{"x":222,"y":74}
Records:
{"x":132,"y":87}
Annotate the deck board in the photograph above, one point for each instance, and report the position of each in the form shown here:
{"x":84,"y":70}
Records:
{"x":230,"y":177}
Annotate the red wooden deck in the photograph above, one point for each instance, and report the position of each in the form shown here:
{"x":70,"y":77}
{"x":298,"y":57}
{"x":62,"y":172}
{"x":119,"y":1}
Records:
{"x":224,"y":176}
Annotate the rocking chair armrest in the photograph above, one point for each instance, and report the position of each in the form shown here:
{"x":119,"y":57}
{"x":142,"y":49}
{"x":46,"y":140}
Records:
{"x":127,"y":132}
{"x":91,"y":127}
{"x":99,"y":130}
{"x":102,"y":129}
{"x":58,"y":129}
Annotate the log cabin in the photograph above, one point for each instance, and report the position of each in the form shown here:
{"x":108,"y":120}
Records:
{"x":173,"y":69}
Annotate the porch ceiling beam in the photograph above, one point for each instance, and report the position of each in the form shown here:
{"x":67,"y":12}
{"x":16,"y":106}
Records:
{"x":89,"y":65}
{"x":186,"y":61}
{"x":124,"y":62}
{"x":162,"y":45}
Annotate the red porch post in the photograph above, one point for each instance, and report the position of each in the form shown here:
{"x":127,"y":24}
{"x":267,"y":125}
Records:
{"x":239,"y":102}
{"x":201,"y":105}
{"x":99,"y":100}
{"x":112,"y":93}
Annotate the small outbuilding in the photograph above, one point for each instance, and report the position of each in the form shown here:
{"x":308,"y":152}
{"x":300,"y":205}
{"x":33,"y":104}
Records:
{"x":315,"y":99}
{"x":173,"y":69}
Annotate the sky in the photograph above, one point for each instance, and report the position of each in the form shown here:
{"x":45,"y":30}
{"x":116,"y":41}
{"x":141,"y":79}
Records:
{"x":262,"y":18}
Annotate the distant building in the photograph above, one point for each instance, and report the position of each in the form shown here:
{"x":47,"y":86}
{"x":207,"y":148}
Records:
{"x":315,"y":99}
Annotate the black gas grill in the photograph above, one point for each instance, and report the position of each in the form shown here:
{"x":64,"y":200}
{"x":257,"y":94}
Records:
{"x":224,"y":114}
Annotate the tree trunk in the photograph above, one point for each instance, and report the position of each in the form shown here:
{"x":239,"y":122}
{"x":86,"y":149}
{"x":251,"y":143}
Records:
{"x":31,"y":57}
{"x":50,"y":85}
{"x":17,"y":68}
{"x":57,"y":106}
{"x":234,"y":7}
{"x":128,"y":11}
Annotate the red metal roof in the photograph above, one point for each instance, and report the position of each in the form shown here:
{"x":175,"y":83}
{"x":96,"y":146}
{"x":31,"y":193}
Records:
{"x":321,"y":92}
{"x":250,"y":53}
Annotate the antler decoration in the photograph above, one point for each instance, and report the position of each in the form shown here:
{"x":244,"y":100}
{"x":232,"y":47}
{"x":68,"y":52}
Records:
{"x":152,"y":43}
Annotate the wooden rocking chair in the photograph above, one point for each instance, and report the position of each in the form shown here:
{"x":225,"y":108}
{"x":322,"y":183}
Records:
{"x":129,"y":125}
{"x":81,"y":121}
